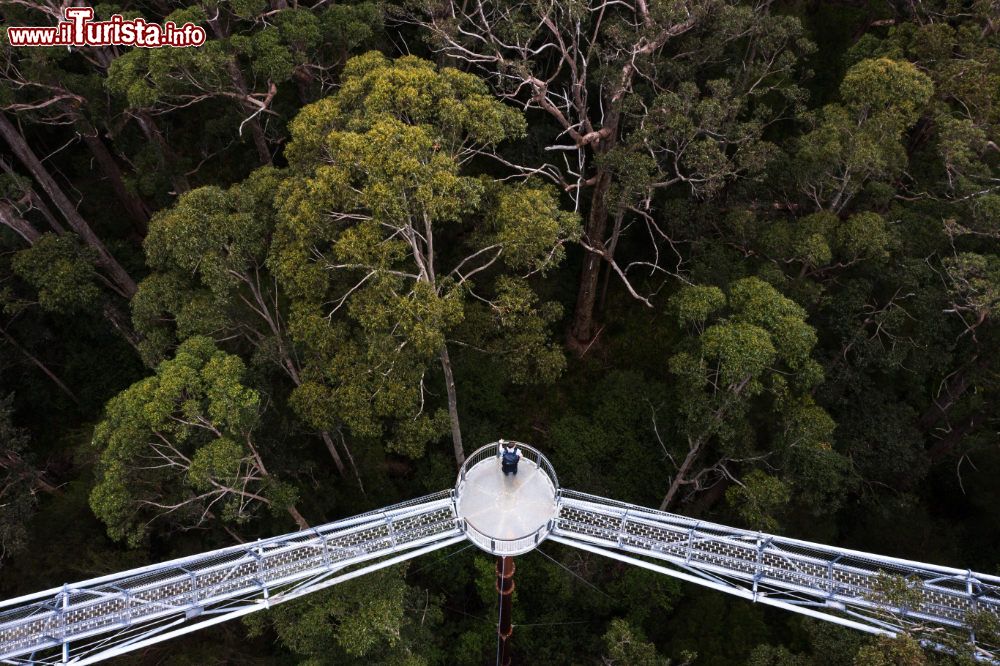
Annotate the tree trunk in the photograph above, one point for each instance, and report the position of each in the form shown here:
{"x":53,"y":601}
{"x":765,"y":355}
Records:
{"x":612,"y":246}
{"x":259,"y":141}
{"x":122,"y":280}
{"x":35,"y":201}
{"x":297,"y":517}
{"x":681,"y":477}
{"x":328,"y":440}
{"x":456,"y":429}
{"x":168,"y":158}
{"x":47,"y":213}
{"x":41,"y":366}
{"x":239,"y":82}
{"x":582,"y":329}
{"x":704,"y":503}
{"x":291,"y":508}
{"x":9,"y":217}
{"x":13,"y":462}
{"x":256,"y":131}
{"x":303,"y":83}
{"x":132,"y":204}
{"x":953,"y":388}
{"x":958,"y":433}
{"x":695,"y":447}
{"x":333,"y":453}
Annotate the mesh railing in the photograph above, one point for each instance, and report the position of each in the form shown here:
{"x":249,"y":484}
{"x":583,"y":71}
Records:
{"x":800,"y":576}
{"x":820,"y":552}
{"x":777,"y":565}
{"x":190,"y":585}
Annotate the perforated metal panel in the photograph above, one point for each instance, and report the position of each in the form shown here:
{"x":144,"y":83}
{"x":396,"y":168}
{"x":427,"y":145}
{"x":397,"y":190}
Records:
{"x":103,"y":617}
{"x":803,"y":575}
{"x":214,"y":582}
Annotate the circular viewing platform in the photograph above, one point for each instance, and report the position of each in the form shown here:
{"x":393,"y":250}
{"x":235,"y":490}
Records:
{"x":506,"y":514}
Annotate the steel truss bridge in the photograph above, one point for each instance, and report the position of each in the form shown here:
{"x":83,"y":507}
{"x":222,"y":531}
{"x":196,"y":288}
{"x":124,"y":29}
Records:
{"x":85,"y":622}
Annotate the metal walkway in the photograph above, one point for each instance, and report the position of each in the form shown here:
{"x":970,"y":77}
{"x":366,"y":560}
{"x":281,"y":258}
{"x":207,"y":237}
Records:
{"x":844,"y":586}
{"x":100,"y":618}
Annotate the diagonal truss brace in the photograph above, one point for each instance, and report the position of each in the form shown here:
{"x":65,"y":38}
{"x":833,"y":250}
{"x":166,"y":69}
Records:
{"x":834,"y":584}
{"x":103,"y":617}
{"x":100,"y":618}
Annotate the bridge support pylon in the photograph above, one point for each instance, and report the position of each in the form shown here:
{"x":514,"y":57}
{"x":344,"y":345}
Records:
{"x":505,"y":626}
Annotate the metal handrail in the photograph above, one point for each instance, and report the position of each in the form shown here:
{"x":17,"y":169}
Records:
{"x":492,"y":450}
{"x":220,"y":580}
{"x":804,"y":577}
{"x":515,"y":546}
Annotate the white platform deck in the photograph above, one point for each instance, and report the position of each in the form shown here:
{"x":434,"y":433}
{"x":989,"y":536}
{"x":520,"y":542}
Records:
{"x":506,"y":507}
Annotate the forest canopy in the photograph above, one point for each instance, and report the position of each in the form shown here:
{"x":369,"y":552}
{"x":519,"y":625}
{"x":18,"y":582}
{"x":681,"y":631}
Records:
{"x":733,"y":259}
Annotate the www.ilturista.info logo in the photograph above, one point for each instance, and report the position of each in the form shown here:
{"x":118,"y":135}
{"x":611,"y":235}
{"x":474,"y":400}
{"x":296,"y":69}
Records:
{"x":80,"y":30}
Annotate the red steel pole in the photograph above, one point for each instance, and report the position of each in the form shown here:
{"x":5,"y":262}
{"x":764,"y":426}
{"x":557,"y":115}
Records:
{"x":505,"y":588}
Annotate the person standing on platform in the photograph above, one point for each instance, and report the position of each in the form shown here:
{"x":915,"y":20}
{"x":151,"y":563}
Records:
{"x":509,"y":455}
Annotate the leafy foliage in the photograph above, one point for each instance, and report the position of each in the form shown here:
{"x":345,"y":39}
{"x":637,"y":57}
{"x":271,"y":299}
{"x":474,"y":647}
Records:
{"x":178,"y":446}
{"x":356,"y":622}
{"x":379,"y":221}
{"x":753,"y":357}
{"x":738,"y":259}
{"x":18,"y":492}
{"x":61,"y":271}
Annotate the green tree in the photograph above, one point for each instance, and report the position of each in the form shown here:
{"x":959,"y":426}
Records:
{"x":960,"y":55}
{"x":900,"y":651}
{"x":254,"y":47}
{"x":118,"y":279}
{"x":860,"y":140}
{"x":770,"y":655}
{"x":61,"y":88}
{"x":55,"y":274}
{"x":625,"y":645}
{"x":757,"y":498}
{"x":378,"y":618}
{"x":19,"y":481}
{"x":951,"y":205}
{"x":61,"y":271}
{"x":641,"y":100}
{"x":746,"y":355}
{"x":814,"y":248}
{"x":208,"y":254}
{"x":380,"y":222}
{"x":181,"y":446}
